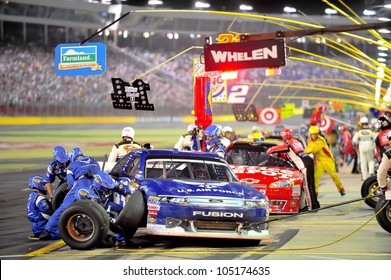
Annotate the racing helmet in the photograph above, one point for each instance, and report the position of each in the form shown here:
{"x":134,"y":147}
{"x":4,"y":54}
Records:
{"x":103,"y":183}
{"x":385,"y":121}
{"x":192,"y":129}
{"x":286,"y":133}
{"x":37,"y":182}
{"x":364,"y":120}
{"x":200,"y":172}
{"x":76,"y":152}
{"x":342,"y":128}
{"x":128,"y":132}
{"x":227,"y":129}
{"x":60,"y":154}
{"x":255,"y":128}
{"x":213,"y":131}
{"x":313,"y":130}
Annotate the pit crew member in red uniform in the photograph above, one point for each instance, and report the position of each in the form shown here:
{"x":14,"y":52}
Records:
{"x":295,"y":151}
{"x":381,"y":141}
{"x":385,"y":165}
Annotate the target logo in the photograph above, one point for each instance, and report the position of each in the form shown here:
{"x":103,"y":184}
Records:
{"x":326,"y":125}
{"x":268,"y":115}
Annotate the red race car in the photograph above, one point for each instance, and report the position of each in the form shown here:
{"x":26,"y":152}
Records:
{"x":273,"y":175}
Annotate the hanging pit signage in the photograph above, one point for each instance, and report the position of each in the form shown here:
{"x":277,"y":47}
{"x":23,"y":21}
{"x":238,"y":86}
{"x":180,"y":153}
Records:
{"x":251,"y":54}
{"x":74,"y":59}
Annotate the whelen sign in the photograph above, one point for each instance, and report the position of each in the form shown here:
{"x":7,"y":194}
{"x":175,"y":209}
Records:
{"x":251,"y":54}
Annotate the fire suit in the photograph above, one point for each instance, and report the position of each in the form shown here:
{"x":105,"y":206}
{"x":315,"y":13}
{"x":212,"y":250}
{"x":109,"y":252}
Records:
{"x":382,"y":144}
{"x":324,"y":162}
{"x":295,"y":151}
{"x":348,"y":149}
{"x":121,"y":149}
{"x":217,"y":148}
{"x":382,"y":172}
{"x":365,"y":139}
{"x":54,"y":169}
{"x":80,"y":192}
{"x":189,"y":142}
{"x":80,"y":172}
{"x":38,"y":211}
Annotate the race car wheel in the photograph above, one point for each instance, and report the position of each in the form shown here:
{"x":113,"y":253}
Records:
{"x":132,"y":215}
{"x":84,"y":225}
{"x":59,"y":194}
{"x":384,"y":216}
{"x":368,"y":187}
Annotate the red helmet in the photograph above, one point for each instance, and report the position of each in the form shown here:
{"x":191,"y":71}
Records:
{"x":342,"y":128}
{"x":286,"y":133}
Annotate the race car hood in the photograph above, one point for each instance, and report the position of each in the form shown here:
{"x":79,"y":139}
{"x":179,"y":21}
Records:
{"x":178,"y":187}
{"x":266,"y":174}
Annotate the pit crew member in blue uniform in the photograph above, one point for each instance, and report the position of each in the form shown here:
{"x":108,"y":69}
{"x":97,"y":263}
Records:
{"x":213,"y":143}
{"x":57,"y":168}
{"x":81,"y":169}
{"x":99,"y":191}
{"x":38,"y":207}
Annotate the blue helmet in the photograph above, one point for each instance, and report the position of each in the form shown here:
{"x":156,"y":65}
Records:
{"x":103,"y":182}
{"x":212,"y":131}
{"x":37,"y":182}
{"x":60,"y":154}
{"x":75,"y":153}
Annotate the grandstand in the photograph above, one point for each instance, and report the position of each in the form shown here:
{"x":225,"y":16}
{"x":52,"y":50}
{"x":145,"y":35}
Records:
{"x":30,"y":29}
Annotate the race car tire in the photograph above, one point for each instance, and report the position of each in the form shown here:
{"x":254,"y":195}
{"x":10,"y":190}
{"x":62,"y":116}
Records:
{"x":384,"y":216}
{"x":84,"y":225}
{"x":367,"y":187}
{"x":132,"y":215}
{"x":59,"y":194}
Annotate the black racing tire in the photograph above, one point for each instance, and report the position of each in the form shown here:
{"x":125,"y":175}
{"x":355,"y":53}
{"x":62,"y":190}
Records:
{"x":384,"y":216}
{"x":84,"y":225}
{"x":132,"y":215}
{"x":367,"y":187}
{"x":59,"y":194}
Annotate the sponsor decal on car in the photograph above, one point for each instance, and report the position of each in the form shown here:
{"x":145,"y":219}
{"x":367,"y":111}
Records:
{"x":217,"y":214}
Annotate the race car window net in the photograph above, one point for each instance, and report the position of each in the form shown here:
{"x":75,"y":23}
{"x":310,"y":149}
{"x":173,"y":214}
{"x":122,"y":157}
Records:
{"x":189,"y":169}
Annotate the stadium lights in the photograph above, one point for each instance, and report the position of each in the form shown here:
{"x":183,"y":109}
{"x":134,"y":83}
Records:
{"x":382,"y":48}
{"x":386,"y":31}
{"x":155,"y":2}
{"x":369,"y":12}
{"x":245,"y":7}
{"x":383,"y":19}
{"x":388,"y":6}
{"x":330,"y":11}
{"x":289,"y":9}
{"x":382,"y":54}
{"x":199,"y":4}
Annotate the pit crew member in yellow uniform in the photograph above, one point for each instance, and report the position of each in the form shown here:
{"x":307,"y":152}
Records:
{"x":324,"y":159}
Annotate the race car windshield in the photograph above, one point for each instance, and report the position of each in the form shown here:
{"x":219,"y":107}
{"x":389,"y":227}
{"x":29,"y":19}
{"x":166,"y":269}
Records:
{"x":189,"y":169}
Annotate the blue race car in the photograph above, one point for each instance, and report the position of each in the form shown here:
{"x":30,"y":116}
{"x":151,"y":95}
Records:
{"x":189,"y":194}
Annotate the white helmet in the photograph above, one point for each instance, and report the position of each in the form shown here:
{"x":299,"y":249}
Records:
{"x":191,"y":127}
{"x":227,"y":129}
{"x":128,"y":132}
{"x":255,"y":128}
{"x":364,"y":120}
